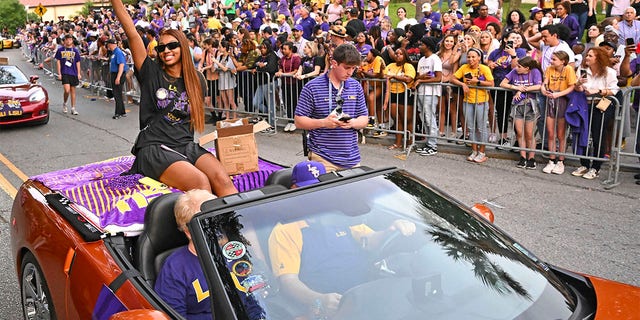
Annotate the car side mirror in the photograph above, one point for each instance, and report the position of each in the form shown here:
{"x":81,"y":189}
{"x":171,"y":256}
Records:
{"x":34,"y":79}
{"x":146,"y":314}
{"x":484,"y":211}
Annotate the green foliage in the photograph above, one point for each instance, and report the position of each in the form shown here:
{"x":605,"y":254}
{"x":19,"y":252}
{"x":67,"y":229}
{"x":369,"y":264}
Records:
{"x":86,"y":9}
{"x":12,"y":15}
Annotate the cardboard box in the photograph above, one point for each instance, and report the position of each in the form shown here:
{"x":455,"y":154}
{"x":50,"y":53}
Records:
{"x":236,"y":147}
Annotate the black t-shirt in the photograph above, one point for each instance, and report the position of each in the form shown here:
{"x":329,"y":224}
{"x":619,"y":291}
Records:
{"x":357,"y":25}
{"x":309,"y":64}
{"x":165,"y":112}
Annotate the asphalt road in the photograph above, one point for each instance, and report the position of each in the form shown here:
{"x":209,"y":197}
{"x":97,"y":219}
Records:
{"x":566,"y":221}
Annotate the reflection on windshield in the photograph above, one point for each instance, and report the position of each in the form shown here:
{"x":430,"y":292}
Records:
{"x":11,"y":75}
{"x":390,"y":248}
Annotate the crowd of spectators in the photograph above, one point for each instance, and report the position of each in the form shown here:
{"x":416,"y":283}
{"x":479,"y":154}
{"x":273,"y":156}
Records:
{"x":292,"y":41}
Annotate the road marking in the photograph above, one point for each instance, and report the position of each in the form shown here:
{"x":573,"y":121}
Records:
{"x":7,"y":187}
{"x":4,"y":183}
{"x":13,"y":168}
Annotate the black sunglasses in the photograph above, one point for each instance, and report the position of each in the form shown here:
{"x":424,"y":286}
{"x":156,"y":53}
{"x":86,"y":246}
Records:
{"x":170,"y":45}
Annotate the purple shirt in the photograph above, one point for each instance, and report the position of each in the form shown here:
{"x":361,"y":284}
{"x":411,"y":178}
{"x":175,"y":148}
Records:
{"x":160,"y":23}
{"x":307,"y":24}
{"x":370,"y":23}
{"x":534,"y":77}
{"x":317,"y":99}
{"x":256,"y":19}
{"x":283,"y":8}
{"x":68,"y":60}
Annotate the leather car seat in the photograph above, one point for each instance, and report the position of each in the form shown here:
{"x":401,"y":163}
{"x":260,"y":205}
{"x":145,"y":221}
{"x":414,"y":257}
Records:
{"x":281,"y":177}
{"x":160,"y":236}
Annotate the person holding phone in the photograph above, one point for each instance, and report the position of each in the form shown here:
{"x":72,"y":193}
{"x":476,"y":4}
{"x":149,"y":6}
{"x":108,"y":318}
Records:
{"x":471,"y":76}
{"x":559,"y":81}
{"x":600,"y":82}
{"x":502,"y":61}
{"x":331,"y":141}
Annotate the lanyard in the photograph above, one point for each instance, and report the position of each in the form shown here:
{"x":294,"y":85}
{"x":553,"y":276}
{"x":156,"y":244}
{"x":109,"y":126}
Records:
{"x":338,"y":95}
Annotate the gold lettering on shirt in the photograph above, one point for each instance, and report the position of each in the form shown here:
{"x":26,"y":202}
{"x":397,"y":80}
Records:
{"x":199,"y":294}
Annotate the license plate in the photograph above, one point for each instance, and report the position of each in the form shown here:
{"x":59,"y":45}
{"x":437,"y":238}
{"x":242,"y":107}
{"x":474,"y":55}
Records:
{"x":10,"y":108}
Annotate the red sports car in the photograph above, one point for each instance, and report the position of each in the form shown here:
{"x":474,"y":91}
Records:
{"x":89,"y":242}
{"x":22,"y":99}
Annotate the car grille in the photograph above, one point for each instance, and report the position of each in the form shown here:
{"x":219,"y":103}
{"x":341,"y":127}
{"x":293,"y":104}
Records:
{"x":25,"y":115}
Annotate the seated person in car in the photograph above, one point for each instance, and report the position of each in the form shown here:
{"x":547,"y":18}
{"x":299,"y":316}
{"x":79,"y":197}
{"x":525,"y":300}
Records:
{"x":181,"y":282}
{"x":317,"y":262}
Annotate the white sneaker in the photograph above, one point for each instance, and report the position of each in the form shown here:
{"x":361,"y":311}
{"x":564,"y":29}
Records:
{"x":472,"y":156}
{"x":287,"y":128}
{"x":591,"y":174}
{"x":580,"y":171}
{"x":480,"y":158}
{"x":549,"y":167}
{"x":559,"y":168}
{"x":292,"y":127}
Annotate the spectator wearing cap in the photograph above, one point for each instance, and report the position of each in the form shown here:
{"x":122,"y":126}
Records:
{"x":258,"y":16}
{"x":283,"y":25}
{"x":118,"y":68}
{"x":298,"y":40}
{"x":429,"y":16}
{"x":370,"y":19}
{"x":456,"y":30}
{"x":629,"y":27}
{"x":338,"y":35}
{"x":157,"y":23}
{"x":484,"y":18}
{"x":335,"y":10}
{"x":429,"y":71}
{"x":354,"y":23}
{"x":307,"y":23}
{"x":403,"y":21}
{"x":612,"y":35}
{"x":267,"y":34}
{"x":333,"y":136}
{"x":536,"y":14}
{"x":413,"y":36}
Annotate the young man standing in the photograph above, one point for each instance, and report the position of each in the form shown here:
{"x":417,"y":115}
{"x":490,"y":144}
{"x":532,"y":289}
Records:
{"x":429,"y":71}
{"x":69,"y":71}
{"x":118,"y":68}
{"x":332,"y":107}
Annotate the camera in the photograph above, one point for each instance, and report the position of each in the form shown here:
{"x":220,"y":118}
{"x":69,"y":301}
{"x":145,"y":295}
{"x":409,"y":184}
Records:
{"x":509,"y":44}
{"x":468,"y":75}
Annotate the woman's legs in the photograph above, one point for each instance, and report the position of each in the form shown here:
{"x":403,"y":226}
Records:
{"x":216,"y":175}
{"x":529,"y":138}
{"x":520,"y":135}
{"x":551,"y":136}
{"x":562,"y":137}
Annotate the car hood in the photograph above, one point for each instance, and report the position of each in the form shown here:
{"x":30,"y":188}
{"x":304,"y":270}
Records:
{"x":616,"y":300}
{"x":21,"y":91}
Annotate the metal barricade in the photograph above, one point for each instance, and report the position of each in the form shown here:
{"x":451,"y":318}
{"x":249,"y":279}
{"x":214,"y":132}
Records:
{"x":288,"y":90}
{"x":625,"y":149}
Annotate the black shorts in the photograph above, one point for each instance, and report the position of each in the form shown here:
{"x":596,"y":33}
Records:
{"x":399,"y":98}
{"x":153,"y":160}
{"x":71,"y":80}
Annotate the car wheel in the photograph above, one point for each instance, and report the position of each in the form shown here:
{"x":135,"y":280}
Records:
{"x":45,"y":120}
{"x":36,"y":299}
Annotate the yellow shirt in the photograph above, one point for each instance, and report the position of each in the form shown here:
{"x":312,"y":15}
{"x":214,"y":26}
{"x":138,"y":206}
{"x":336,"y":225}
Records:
{"x":214,"y":23}
{"x":483,"y":73}
{"x":406,"y":69}
{"x":559,"y":80}
{"x":285,"y":245}
{"x":376,"y":66}
{"x":151,"y":47}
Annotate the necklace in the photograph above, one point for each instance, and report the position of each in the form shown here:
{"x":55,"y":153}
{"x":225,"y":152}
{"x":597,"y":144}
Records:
{"x":170,"y":79}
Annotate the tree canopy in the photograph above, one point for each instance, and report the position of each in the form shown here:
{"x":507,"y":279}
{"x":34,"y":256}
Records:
{"x":12,"y":15}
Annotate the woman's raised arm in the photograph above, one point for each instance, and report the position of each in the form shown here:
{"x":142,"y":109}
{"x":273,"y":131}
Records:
{"x":138,"y":51}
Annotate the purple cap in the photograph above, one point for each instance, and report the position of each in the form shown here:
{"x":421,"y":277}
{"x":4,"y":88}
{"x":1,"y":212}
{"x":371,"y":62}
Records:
{"x":298,"y":27}
{"x":535,"y":10}
{"x":458,"y":27}
{"x":306,"y":173}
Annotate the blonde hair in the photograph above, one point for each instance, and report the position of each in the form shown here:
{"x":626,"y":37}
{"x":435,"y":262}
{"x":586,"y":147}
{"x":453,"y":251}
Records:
{"x":313,"y":47}
{"x":188,"y":204}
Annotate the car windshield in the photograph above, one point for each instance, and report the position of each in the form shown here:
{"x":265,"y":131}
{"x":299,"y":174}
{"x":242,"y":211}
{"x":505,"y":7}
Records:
{"x":387,"y":247}
{"x":12,"y":75}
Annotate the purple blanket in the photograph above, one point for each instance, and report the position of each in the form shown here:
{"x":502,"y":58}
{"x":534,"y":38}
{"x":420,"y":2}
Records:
{"x":119,"y":201}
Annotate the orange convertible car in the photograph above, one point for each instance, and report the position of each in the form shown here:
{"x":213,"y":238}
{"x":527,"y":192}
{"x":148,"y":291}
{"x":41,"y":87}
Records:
{"x":88,"y":243}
